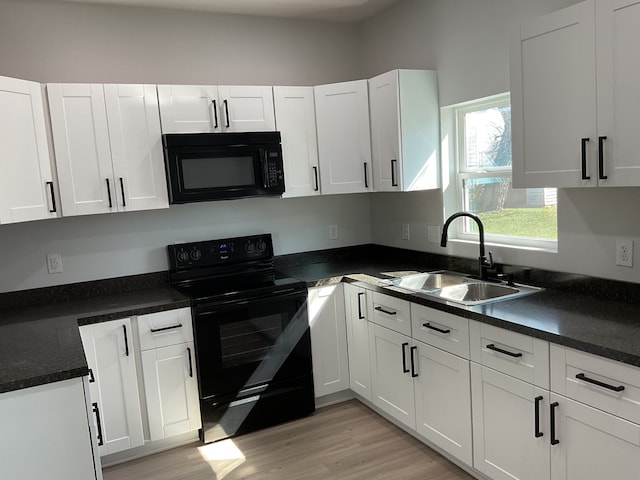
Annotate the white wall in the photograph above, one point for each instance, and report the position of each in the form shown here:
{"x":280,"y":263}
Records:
{"x":466,"y":41}
{"x":47,"y":41}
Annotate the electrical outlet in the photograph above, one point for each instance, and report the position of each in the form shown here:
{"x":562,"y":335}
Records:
{"x":433,"y":233}
{"x":54,"y":263}
{"x":333,"y":232}
{"x":405,"y":231}
{"x":624,"y":253}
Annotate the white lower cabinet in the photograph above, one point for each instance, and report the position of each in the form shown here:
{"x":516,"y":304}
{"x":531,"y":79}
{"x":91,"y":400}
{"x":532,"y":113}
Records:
{"x":443,"y":400}
{"x":504,"y":420}
{"x":113,"y":381}
{"x":328,"y":339}
{"x":391,"y":373}
{"x":357,"y":306}
{"x":171,"y":388}
{"x":169,"y":372}
{"x":45,"y":433}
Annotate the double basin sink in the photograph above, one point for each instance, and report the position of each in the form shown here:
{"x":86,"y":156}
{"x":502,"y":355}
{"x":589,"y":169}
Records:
{"x":458,"y":288}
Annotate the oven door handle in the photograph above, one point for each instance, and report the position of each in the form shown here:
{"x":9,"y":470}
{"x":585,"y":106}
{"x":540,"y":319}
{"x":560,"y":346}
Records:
{"x":224,"y":306}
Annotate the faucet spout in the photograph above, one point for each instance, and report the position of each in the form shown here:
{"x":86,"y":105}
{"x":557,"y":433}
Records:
{"x":484,"y":263}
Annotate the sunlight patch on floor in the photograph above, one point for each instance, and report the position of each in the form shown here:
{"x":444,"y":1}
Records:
{"x":223,"y":457}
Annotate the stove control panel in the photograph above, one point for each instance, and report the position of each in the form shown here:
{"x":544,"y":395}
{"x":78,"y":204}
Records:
{"x":220,"y":252}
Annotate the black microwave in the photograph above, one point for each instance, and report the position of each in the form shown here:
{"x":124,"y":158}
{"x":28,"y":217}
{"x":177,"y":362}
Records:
{"x":217,"y":166}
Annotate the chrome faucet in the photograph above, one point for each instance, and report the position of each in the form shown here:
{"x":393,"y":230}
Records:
{"x":485,"y":264}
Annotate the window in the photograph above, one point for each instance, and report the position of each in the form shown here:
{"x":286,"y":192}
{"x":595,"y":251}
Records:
{"x":526,"y":217}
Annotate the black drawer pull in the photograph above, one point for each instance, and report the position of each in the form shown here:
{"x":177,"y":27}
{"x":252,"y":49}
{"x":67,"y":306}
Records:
{"x":413,"y":365}
{"x":552,"y":408}
{"x":404,"y":358}
{"x":581,"y":376}
{"x":92,"y":378}
{"x":190,"y":362}
{"x":491,"y":346}
{"x":126,"y":340}
{"x":538,"y":433}
{"x":440,"y":330}
{"x":388,"y":312}
{"x":53,"y":198}
{"x":584,"y":159}
{"x":164,"y":329}
{"x":360,"y":315}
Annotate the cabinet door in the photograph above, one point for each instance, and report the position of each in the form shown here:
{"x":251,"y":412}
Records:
{"x":171,"y":388}
{"x":26,"y":184}
{"x":391,"y":370}
{"x":45,"y":433}
{"x":618,"y":75}
{"x":246,"y":109}
{"x":553,"y":92}
{"x":328,"y":339}
{"x":110,"y":355}
{"x":443,"y":400}
{"x":81,"y":144}
{"x":189,"y":109}
{"x":593,"y":444}
{"x":136,"y":147}
{"x":296,"y":121}
{"x":384,"y":102}
{"x":505,"y":445}
{"x":344,"y":146}
{"x":358,"y":304}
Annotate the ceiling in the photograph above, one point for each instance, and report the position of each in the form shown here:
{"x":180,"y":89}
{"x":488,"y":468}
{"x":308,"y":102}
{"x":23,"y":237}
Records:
{"x":334,"y":10}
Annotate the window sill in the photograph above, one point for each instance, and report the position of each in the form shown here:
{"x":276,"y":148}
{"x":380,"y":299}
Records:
{"x":552,"y":247}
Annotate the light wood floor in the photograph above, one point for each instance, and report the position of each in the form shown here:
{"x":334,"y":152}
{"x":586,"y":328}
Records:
{"x":346,"y":441}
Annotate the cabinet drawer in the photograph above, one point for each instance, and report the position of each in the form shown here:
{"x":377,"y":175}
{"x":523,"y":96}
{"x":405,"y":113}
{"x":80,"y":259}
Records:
{"x":165,"y":328}
{"x":599,"y":382}
{"x":440,"y":329}
{"x":392,"y":312}
{"x":515,"y":354}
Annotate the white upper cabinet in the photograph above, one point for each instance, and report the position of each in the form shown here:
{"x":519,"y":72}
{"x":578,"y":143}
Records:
{"x":405,"y":120}
{"x":344,"y":145}
{"x":296,"y":121}
{"x":26,"y":183}
{"x":108,"y":147}
{"x":574,"y":100}
{"x":212,"y":109}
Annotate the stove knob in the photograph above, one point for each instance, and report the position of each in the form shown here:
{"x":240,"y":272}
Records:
{"x":250,"y":247}
{"x":182,"y":256}
{"x":196,"y":255}
{"x":261,"y":245}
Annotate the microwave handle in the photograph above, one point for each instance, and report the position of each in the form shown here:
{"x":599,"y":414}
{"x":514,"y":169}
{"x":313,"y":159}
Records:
{"x":265,"y":173}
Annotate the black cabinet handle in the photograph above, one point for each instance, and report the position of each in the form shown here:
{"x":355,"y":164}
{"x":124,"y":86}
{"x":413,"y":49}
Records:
{"x":388,"y":312}
{"x":315,"y":177}
{"x":404,"y":358}
{"x":215,"y":114}
{"x":109,"y":193}
{"x":126,"y":341}
{"x":91,"y":377}
{"x":124,"y":200}
{"x":584,"y":378}
{"x":360,"y":315}
{"x":366,"y":180}
{"x":552,"y":408}
{"x":538,"y":433}
{"x":96,"y":410}
{"x":413,"y":365}
{"x":491,"y":346}
{"x":164,"y":329}
{"x":226,"y":111}
{"x":584,"y":159}
{"x":190,"y":364}
{"x":53,"y":198}
{"x":394,"y":165}
{"x":440,"y":330}
{"x":601,"y":174}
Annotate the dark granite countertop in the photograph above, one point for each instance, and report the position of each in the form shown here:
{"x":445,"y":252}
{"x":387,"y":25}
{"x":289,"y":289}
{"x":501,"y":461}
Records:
{"x":41,"y":343}
{"x":602,"y":326}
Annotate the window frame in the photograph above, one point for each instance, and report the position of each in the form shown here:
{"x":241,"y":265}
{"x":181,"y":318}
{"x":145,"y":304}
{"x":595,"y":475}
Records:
{"x":461,"y":173}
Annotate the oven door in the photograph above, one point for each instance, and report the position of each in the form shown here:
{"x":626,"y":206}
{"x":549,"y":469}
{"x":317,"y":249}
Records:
{"x":252,"y":342}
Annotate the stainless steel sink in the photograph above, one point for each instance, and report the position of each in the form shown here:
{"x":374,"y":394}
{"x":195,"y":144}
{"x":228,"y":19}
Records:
{"x":458,"y":288}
